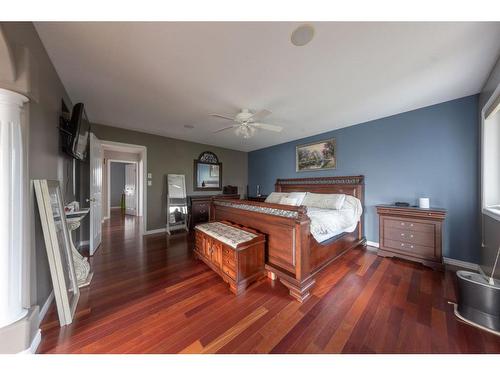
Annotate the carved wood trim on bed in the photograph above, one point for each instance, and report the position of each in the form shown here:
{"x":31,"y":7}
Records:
{"x":292,"y":253}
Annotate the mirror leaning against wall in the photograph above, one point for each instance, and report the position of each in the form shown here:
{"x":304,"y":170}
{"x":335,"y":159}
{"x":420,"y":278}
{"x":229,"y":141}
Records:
{"x":176,"y":203}
{"x":58,"y":245}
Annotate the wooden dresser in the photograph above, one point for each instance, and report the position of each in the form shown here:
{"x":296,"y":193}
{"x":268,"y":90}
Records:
{"x":412,"y":233}
{"x":234,"y":252}
{"x":199,"y":207}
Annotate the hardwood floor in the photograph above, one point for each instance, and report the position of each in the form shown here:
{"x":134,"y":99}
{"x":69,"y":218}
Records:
{"x":149,"y":295}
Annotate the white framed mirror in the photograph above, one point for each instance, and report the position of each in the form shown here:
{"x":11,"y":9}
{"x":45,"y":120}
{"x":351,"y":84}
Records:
{"x":177,"y":213}
{"x":58,"y":246}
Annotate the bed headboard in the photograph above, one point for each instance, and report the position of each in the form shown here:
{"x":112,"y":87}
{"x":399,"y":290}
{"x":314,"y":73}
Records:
{"x":351,"y":185}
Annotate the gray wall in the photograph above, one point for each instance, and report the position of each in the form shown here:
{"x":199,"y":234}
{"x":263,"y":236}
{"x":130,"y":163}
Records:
{"x":46,"y":161}
{"x":490,"y":227}
{"x":431,"y":152}
{"x":117,"y":179}
{"x":168,"y":155}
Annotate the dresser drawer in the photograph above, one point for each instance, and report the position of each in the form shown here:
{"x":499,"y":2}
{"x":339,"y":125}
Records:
{"x":419,"y":251}
{"x":409,"y":225}
{"x":414,"y":237}
{"x":201,"y":208}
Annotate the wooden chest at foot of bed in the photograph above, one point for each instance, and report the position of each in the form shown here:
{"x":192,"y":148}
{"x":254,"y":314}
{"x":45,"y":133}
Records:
{"x":234,"y":252}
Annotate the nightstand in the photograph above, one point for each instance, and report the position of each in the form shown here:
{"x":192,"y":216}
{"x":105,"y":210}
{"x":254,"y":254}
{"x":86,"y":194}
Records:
{"x":412,"y":233}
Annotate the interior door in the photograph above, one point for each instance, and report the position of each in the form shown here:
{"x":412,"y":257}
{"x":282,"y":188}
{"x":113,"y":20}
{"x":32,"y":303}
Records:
{"x":130,"y":189}
{"x":95,"y":193}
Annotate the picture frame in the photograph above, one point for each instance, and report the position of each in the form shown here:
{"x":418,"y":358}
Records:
{"x":58,"y":246}
{"x":316,"y":156}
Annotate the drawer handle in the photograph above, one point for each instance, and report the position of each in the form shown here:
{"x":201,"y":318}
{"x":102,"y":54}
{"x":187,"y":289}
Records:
{"x":402,"y":224}
{"x":411,"y":235}
{"x":411,"y":225}
{"x":402,"y":234}
{"x":402,"y":245}
{"x":411,"y":246}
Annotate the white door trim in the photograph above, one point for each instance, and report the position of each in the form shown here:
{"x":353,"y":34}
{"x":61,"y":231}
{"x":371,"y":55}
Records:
{"x":143,"y":170}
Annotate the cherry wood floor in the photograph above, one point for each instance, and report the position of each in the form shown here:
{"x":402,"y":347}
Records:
{"x":149,"y":295}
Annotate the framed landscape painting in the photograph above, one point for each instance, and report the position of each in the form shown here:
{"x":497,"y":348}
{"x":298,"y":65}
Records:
{"x":316,"y":156}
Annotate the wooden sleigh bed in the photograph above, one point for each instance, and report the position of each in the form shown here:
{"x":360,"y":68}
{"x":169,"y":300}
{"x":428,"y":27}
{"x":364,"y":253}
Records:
{"x":292,"y":253}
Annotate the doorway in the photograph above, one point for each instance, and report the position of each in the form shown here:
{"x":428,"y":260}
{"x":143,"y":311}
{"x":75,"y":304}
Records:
{"x":122,"y":187}
{"x":124,"y":180}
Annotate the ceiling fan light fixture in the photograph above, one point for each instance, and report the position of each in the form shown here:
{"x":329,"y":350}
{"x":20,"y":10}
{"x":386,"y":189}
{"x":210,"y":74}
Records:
{"x":302,"y":35}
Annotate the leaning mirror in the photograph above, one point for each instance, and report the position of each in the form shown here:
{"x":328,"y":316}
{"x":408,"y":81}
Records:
{"x":207,"y":172}
{"x":58,"y":245}
{"x":176,"y":202}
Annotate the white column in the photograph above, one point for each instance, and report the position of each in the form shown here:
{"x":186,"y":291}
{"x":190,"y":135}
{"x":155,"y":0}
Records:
{"x":12,"y":205}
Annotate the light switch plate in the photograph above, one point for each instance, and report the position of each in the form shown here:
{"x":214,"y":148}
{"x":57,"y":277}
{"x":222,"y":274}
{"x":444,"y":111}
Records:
{"x":150,"y":183}
{"x":150,"y":175}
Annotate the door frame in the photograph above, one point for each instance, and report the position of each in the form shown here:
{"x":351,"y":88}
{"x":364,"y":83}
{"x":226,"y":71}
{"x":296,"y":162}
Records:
{"x":137,"y":181}
{"x":142,"y":151}
{"x":92,"y":157}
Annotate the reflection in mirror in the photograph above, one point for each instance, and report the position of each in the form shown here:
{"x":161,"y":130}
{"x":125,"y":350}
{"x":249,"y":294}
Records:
{"x":208,"y":176}
{"x":176,"y":202}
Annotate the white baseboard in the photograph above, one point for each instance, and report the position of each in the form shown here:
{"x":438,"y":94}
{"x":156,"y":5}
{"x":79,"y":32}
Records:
{"x":461,"y":264}
{"x":372,"y":244}
{"x":154,"y":231}
{"x":34,"y":344}
{"x":45,"y":307}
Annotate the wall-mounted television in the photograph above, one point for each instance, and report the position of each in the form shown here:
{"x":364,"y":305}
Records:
{"x":75,"y":132}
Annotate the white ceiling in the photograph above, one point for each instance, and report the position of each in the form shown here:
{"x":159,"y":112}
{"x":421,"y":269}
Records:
{"x":158,"y":77}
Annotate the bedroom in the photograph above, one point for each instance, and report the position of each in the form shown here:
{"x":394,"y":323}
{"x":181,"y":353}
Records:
{"x":286,"y":187}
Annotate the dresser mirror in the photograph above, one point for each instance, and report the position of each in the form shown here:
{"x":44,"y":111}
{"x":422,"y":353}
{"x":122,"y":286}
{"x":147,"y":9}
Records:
{"x":176,"y":202}
{"x":207,"y":172}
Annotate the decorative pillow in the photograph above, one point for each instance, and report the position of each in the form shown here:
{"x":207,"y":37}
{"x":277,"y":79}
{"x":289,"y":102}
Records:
{"x":329,"y":201}
{"x":275,"y":197}
{"x":289,"y":201}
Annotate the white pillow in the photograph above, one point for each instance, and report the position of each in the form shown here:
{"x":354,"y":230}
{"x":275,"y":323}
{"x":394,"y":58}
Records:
{"x":275,"y":197}
{"x":289,"y":201}
{"x":329,"y":201}
{"x":297,"y":195}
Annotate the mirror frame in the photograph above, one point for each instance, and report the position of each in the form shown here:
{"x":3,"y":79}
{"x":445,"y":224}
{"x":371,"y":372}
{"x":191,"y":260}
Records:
{"x":208,"y":158}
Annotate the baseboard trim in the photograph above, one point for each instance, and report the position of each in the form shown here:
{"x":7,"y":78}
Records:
{"x":461,"y":264}
{"x":372,"y":244}
{"x":154,"y":231}
{"x":34,"y":344}
{"x":45,"y":307}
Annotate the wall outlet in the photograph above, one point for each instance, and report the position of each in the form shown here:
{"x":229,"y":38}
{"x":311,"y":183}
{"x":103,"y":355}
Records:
{"x":150,"y":175}
{"x":150,"y":183}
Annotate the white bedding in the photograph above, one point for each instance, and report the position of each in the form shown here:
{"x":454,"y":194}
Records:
{"x":328,"y":223}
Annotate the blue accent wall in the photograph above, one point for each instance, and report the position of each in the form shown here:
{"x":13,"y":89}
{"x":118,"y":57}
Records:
{"x":429,"y":152}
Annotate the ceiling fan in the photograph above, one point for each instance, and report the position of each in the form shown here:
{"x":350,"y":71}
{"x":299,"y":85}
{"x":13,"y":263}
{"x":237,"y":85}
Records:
{"x":247,"y":122}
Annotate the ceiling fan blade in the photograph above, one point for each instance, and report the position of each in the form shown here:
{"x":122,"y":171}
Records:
{"x":260,"y":115}
{"x":273,"y":128}
{"x":222,"y":116}
{"x":226,"y":128}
